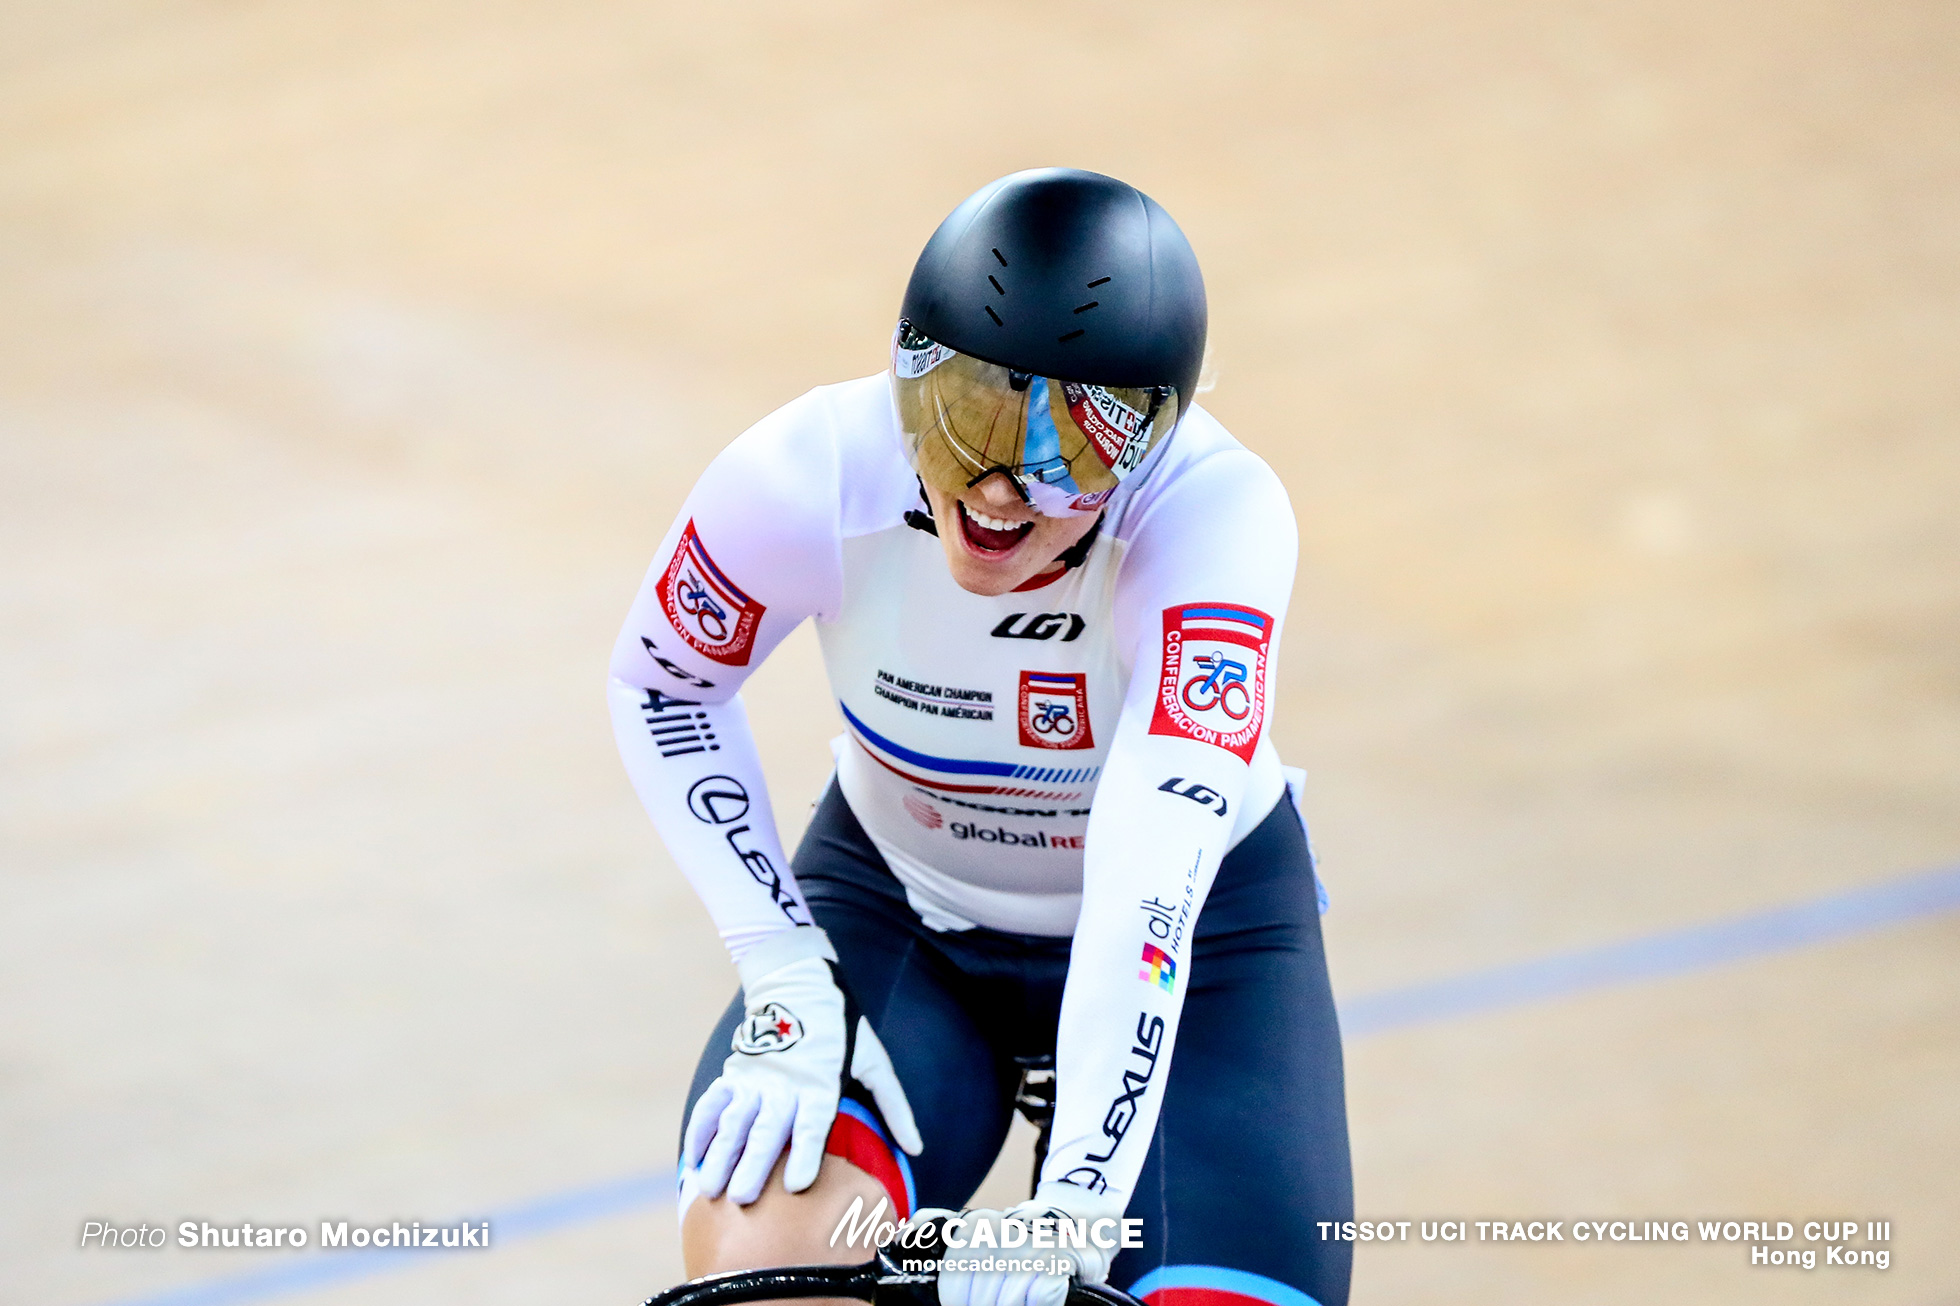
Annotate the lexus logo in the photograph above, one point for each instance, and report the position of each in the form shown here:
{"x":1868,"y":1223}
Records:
{"x":718,"y":799}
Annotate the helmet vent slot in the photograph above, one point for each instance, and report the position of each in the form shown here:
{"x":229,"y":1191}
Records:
{"x":995,"y":316}
{"x":1098,"y":282}
{"x":997,"y":287}
{"x":1002,"y":257}
{"x":1086,"y":307}
{"x":1062,"y":340}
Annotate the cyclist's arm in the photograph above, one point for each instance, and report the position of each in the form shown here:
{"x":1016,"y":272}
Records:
{"x":753,"y":553}
{"x":1220,"y":540}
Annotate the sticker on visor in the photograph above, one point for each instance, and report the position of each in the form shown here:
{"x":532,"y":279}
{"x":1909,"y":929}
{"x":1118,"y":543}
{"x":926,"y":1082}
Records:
{"x":911,"y":364}
{"x":1041,"y":448}
{"x":1118,"y":433}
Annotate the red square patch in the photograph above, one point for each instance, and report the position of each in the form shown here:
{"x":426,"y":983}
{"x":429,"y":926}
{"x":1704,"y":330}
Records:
{"x":1055,"y":710}
{"x":1213,"y":683}
{"x":707,"y":610}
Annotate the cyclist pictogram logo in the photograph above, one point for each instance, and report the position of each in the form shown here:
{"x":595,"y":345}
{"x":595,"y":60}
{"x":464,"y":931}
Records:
{"x":706,"y":608}
{"x":1212,"y":686}
{"x":1055,"y":710}
{"x":695,"y":600}
{"x":1215,"y":682}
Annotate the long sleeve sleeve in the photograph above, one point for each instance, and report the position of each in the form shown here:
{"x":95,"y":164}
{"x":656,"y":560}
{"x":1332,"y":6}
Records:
{"x":1205,"y":588}
{"x":753,"y":552}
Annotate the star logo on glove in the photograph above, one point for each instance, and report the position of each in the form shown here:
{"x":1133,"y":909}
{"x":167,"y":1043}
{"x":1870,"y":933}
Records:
{"x":769,"y":1028}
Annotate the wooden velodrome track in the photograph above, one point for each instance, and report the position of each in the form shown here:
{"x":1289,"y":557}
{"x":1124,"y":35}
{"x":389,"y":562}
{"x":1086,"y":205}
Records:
{"x":354,"y":358}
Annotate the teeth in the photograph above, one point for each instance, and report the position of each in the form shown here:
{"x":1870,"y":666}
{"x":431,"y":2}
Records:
{"x":992,"y":523}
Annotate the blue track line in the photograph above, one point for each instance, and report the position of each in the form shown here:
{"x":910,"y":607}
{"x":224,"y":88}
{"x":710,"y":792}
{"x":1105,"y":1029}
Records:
{"x":1673,"y":952}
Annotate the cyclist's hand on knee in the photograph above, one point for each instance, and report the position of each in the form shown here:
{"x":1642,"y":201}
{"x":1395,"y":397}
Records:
{"x":781,"y":1082}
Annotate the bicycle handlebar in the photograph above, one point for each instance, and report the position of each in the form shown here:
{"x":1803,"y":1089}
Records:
{"x":860,"y":1281}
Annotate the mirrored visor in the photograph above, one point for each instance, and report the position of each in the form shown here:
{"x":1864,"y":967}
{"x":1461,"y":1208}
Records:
{"x":1066,"y":445}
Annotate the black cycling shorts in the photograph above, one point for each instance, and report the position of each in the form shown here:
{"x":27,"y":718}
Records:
{"x":1251,"y":1148}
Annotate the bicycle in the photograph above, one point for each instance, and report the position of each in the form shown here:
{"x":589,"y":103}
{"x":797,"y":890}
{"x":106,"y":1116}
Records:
{"x":881,"y":1280}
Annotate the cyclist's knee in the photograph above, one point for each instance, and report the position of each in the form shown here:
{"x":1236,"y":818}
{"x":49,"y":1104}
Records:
{"x":782,"y":1228}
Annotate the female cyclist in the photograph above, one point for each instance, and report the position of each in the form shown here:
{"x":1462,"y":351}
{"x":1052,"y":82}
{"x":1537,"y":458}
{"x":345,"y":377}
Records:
{"x":1050,"y":591}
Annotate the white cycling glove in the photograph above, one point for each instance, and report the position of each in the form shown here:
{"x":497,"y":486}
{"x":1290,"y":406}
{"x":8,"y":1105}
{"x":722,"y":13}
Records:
{"x":1043,"y":1287}
{"x":783,"y":1079}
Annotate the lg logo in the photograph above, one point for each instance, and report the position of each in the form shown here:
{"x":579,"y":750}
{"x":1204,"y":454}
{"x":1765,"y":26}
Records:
{"x":1041,"y":625}
{"x":1202,"y":795}
{"x":677,"y":672}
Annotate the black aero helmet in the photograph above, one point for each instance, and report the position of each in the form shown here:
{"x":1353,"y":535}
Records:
{"x":1068,"y":274}
{"x":1054,"y":275}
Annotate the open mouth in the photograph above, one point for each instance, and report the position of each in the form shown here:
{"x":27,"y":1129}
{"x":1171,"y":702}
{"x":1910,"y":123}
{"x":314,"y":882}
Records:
{"x":991,"y":534}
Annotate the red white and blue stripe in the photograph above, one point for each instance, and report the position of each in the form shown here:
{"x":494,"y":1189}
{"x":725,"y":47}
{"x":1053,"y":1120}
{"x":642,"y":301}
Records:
{"x":889,"y":753}
{"x":724,"y":587}
{"x":858,"y":1136}
{"x":1240,"y":625}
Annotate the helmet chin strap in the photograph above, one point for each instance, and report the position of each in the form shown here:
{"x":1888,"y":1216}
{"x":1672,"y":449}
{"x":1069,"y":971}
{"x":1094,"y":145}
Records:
{"x":922,"y":521}
{"x":1070,"y":558}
